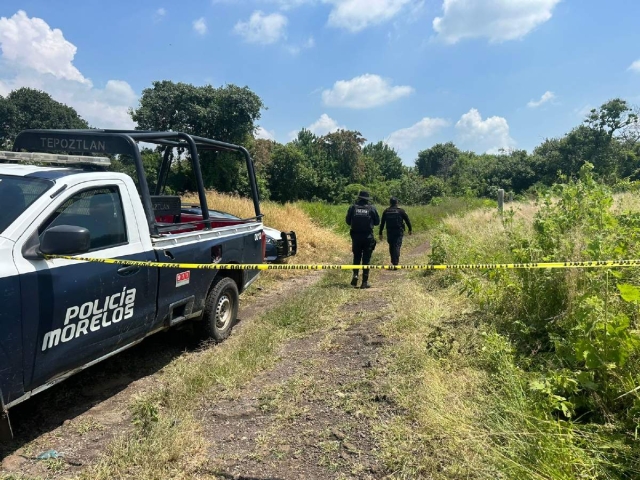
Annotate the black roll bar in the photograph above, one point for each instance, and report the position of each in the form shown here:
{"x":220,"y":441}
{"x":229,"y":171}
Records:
{"x":123,"y":142}
{"x":163,"y":175}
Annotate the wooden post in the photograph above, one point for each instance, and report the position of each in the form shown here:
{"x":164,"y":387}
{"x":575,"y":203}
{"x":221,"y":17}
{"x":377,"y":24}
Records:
{"x":500,"y":200}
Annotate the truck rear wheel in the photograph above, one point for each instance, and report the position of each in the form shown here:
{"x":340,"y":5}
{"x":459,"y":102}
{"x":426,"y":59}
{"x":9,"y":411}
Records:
{"x":221,"y":310}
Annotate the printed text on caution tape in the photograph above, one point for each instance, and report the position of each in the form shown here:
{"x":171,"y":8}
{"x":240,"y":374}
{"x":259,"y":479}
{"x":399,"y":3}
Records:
{"x":265,"y":266}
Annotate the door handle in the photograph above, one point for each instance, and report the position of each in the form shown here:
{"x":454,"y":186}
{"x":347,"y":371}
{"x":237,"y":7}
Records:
{"x":126,"y":271}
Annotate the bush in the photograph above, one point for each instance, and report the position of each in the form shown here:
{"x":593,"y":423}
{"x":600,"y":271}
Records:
{"x":575,"y":334}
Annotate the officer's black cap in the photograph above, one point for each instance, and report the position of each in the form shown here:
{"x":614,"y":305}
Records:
{"x":364,"y":195}
{"x":393,"y":201}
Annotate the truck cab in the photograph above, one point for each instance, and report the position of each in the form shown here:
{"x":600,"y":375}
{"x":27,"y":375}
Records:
{"x":60,"y":315}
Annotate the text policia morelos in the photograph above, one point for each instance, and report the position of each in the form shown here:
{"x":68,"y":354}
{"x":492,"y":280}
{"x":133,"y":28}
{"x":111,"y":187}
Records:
{"x":91,"y":317}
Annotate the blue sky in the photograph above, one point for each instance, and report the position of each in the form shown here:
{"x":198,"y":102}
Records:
{"x":486,"y":74}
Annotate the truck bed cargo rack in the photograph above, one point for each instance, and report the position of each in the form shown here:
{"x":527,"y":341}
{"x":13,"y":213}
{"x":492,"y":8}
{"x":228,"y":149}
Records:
{"x":124,"y":142}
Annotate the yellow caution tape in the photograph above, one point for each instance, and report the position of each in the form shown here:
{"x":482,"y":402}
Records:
{"x":266,"y":266}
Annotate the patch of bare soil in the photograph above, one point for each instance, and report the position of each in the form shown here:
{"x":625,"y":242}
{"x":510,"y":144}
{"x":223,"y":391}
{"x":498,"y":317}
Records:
{"x":309,"y":416}
{"x":79,"y":417}
{"x":421,"y":249}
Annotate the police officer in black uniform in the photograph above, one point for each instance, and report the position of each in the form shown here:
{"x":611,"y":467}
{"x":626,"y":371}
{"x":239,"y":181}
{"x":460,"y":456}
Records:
{"x":395,"y":218}
{"x":362,"y":217}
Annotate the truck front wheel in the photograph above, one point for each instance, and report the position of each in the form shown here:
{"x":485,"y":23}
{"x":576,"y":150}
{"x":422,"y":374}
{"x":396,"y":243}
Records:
{"x":221,"y":310}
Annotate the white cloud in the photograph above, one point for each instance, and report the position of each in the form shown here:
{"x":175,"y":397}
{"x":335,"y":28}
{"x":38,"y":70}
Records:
{"x":265,"y":134}
{"x":635,"y":66}
{"x":261,"y":28}
{"x":289,"y":4}
{"x":488,"y":135}
{"x":200,"y":26}
{"x":584,"y":111}
{"x":546,"y":97}
{"x":365,"y":91}
{"x":159,"y":14}
{"x":356,"y":15}
{"x":497,"y":20}
{"x":31,"y":43}
{"x":35,"y":55}
{"x":325,"y":124}
{"x":403,"y":138}
{"x":296,"y":49}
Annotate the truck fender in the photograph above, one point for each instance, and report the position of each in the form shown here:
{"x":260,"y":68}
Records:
{"x":236,"y":275}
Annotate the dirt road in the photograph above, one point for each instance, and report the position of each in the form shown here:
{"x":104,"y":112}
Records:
{"x":308,"y":417}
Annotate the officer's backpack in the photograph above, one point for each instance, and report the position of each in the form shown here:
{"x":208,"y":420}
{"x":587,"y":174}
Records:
{"x":361,"y":219}
{"x":393,"y":219}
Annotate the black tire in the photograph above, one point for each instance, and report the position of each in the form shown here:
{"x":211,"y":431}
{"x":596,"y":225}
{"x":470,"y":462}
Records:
{"x":221,"y":310}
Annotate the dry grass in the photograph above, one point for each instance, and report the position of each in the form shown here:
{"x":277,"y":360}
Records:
{"x":316,"y":244}
{"x":626,"y":202}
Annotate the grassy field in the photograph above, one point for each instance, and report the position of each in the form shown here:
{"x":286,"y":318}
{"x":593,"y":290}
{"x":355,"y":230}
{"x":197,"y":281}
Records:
{"x":423,"y":217}
{"x":166,"y":442}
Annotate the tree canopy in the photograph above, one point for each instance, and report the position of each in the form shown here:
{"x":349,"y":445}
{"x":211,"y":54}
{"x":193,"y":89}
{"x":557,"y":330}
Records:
{"x":335,"y":166}
{"x":29,"y":108}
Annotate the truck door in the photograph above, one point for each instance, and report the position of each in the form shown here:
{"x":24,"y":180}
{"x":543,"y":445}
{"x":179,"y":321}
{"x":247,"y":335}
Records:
{"x":76,"y":312}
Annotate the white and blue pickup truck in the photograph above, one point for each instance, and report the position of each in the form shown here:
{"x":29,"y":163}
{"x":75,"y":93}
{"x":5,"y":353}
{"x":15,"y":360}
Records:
{"x":58,"y":197}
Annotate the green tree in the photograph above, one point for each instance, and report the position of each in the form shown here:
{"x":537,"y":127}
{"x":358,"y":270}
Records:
{"x":612,"y":117}
{"x":29,"y":108}
{"x":387,"y":159}
{"x":226,"y":113}
{"x":412,"y":188}
{"x":434,"y":187}
{"x":344,"y":151}
{"x":603,"y":140}
{"x":437,"y":160}
{"x":371,"y":170}
{"x":291,"y":177}
{"x":151,"y":160}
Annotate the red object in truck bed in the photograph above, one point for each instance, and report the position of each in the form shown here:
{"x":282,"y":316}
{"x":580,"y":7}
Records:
{"x":191,"y":217}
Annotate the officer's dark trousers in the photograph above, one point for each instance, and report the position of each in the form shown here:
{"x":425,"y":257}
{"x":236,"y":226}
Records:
{"x":362,"y":247}
{"x":395,"y":243}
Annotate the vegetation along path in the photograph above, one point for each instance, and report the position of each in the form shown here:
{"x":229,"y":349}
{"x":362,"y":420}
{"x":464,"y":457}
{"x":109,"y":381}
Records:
{"x":441,"y":375}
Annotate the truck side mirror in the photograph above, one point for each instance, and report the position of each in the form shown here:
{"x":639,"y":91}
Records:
{"x":65,"y":240}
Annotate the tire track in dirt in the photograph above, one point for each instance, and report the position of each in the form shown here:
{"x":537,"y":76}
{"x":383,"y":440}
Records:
{"x":311,"y":415}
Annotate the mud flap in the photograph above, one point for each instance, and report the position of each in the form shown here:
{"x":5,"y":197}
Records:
{"x":6,"y":432}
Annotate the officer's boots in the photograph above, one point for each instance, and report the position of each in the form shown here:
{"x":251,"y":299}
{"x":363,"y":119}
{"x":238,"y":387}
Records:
{"x":354,"y":279}
{"x":365,"y":279}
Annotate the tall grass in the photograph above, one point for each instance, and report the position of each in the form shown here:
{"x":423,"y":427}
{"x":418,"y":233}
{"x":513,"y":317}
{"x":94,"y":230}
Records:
{"x":422,"y":217}
{"x":462,"y":390}
{"x":550,"y":407}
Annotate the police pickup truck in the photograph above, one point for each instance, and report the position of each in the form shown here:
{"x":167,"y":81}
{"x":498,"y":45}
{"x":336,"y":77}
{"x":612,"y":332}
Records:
{"x":58,"y":198}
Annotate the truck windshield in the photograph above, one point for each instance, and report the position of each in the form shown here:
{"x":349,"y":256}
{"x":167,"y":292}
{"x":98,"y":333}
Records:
{"x":16,"y":194}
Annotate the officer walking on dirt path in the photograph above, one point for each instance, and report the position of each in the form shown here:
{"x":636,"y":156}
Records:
{"x":395,"y":218}
{"x":362,"y":217}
